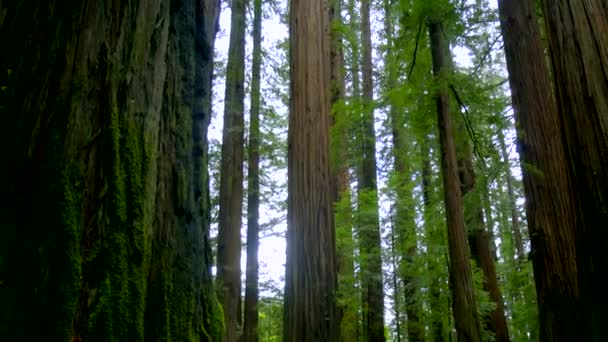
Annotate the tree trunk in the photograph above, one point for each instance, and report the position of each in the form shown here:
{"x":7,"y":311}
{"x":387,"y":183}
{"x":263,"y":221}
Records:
{"x":461,"y":280}
{"x":310,"y":280}
{"x":371,"y":262}
{"x":436,"y":325}
{"x":341,"y":182}
{"x":549,"y":195}
{"x":104,"y":106}
{"x":250,"y":330}
{"x":519,"y":243}
{"x":231,"y":182}
{"x":578,"y":42}
{"x":479,"y":238}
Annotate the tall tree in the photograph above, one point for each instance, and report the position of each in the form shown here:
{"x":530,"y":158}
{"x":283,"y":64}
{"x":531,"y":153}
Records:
{"x":515,"y":226}
{"x":577,"y":32}
{"x":369,"y":221}
{"x":461,"y":280}
{"x":436,"y":321}
{"x":480,"y":240}
{"x":341,"y":181}
{"x":231,"y":173}
{"x":310,"y":282}
{"x":250,"y":329}
{"x":104,"y":236}
{"x":404,"y":225}
{"x":549,"y":207}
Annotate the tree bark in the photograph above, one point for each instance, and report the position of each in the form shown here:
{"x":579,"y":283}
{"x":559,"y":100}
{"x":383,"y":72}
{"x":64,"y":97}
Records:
{"x":310,"y":280}
{"x":371,"y":263}
{"x":250,"y":330}
{"x":231,"y":182}
{"x":577,"y":32}
{"x":549,"y":191}
{"x":104,"y":237}
{"x":461,"y":280}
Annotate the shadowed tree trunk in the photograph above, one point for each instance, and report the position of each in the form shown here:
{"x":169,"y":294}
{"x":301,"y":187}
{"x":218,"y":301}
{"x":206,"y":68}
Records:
{"x":310,"y":282}
{"x":577,"y":32}
{"x":549,"y":196}
{"x":371,"y":254}
{"x":250,"y":330}
{"x":461,"y":280}
{"x":231,"y":182}
{"x":341,"y":182}
{"x":105,"y":236}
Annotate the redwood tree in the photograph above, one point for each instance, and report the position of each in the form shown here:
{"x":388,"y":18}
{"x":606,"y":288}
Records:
{"x":231,"y":173}
{"x":310,"y":282}
{"x":461,"y":280}
{"x":549,"y":195}
{"x":250,"y":330}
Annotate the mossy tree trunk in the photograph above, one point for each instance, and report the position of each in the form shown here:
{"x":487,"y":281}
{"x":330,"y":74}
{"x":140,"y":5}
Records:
{"x":231,"y":177}
{"x":310,"y":312}
{"x":250,"y":330}
{"x":104,"y":236}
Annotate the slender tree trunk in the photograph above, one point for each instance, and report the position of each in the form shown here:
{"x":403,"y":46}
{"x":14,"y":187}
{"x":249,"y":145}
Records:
{"x":371,"y":263}
{"x":103,"y":106}
{"x":311,"y":277}
{"x":250,"y":330}
{"x":519,"y":243}
{"x":549,"y":195}
{"x":396,"y":289}
{"x":461,"y":279}
{"x":404,"y":223}
{"x":231,"y":182}
{"x":479,"y":238}
{"x":341,"y":182}
{"x":578,"y":42}
{"x":435,"y":300}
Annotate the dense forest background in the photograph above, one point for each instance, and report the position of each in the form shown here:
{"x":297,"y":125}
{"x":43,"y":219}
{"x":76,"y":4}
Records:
{"x":311,"y":170}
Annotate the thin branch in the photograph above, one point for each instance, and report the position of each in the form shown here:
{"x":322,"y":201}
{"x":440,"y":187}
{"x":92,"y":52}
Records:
{"x":470,"y":130}
{"x":485,"y":55}
{"x":415,"y":50}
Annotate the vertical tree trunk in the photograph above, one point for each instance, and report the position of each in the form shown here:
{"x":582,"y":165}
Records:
{"x":549,"y":196}
{"x":97,"y":162}
{"x":231,"y":182}
{"x":519,"y":243}
{"x":310,"y":280}
{"x":435,"y":298}
{"x":341,"y":182}
{"x":404,"y":223}
{"x":578,"y":42}
{"x":371,"y":263}
{"x":250,"y":330}
{"x":461,"y":280}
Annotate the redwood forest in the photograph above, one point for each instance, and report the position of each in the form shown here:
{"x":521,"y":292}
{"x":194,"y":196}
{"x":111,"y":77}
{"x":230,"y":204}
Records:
{"x":303,"y":170}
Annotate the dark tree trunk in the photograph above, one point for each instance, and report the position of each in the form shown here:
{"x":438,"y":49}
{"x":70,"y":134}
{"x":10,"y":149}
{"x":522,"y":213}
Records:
{"x":250,"y":330}
{"x":104,"y":232}
{"x":371,"y":253}
{"x":310,"y":280}
{"x":461,"y":280}
{"x":231,"y":182}
{"x":549,"y":195}
{"x":578,"y":42}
